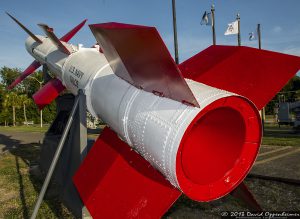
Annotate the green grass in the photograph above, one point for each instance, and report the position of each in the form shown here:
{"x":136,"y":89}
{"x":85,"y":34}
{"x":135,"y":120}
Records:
{"x":281,"y":141}
{"x":280,"y":136}
{"x":23,"y":128}
{"x":19,"y":189}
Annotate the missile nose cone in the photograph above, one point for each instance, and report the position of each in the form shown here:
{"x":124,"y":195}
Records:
{"x":218,"y":149}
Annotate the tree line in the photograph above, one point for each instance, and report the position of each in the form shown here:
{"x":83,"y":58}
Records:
{"x":289,"y":93}
{"x":17,"y":106}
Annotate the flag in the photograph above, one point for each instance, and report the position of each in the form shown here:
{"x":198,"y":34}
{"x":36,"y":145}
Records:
{"x":206,"y":19}
{"x":253,"y":36}
{"x":232,"y":28}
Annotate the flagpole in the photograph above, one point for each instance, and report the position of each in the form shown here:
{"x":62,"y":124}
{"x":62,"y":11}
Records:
{"x":239,"y":28}
{"x":213,"y":23}
{"x":175,"y":32}
{"x":258,"y":35}
{"x":259,"y":47}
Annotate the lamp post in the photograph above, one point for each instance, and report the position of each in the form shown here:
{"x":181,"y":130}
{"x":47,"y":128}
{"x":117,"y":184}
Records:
{"x":41,"y":111}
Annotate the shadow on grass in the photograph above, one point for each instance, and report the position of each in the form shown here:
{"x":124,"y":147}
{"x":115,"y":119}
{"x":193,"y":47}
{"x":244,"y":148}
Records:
{"x":29,"y":154}
{"x":21,"y":189}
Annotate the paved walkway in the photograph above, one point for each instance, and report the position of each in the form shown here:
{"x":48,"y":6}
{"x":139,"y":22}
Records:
{"x":11,"y":139}
{"x":278,"y":161}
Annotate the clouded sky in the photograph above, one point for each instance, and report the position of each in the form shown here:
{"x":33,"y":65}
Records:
{"x":280,"y":21}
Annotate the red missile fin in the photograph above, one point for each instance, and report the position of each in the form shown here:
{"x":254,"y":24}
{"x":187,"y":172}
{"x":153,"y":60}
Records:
{"x":29,"y":70}
{"x":72,"y":32}
{"x":115,"y":182}
{"x":48,"y":93}
{"x":138,"y":55}
{"x":253,"y":73}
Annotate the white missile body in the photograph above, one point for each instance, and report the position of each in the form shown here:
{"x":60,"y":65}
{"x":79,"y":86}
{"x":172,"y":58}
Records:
{"x":154,"y":126}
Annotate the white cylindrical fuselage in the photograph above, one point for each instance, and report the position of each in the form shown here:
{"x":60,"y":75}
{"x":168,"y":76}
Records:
{"x":203,"y":151}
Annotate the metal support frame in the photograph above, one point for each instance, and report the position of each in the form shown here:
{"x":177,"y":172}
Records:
{"x":244,"y":194}
{"x":76,"y":120}
{"x":83,"y":137}
{"x":82,"y":124}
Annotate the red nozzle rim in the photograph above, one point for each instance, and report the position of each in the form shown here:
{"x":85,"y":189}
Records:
{"x":218,"y":148}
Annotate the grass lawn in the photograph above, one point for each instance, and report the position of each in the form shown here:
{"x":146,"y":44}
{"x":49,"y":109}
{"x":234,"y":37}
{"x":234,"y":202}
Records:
{"x":281,"y":136}
{"x":19,"y":189}
{"x":281,"y":141}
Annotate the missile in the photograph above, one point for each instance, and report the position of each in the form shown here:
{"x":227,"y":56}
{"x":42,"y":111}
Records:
{"x":192,"y":128}
{"x":35,"y":64}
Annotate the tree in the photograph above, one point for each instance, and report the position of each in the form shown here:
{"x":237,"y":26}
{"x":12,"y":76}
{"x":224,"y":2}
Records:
{"x":12,"y":99}
{"x":9,"y":99}
{"x":11,"y":102}
{"x":24,"y":100}
{"x":32,"y":83}
{"x":8,"y":75}
{"x":290,"y":93}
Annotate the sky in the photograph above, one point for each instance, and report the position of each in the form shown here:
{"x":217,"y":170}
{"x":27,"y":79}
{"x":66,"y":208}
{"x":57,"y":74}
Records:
{"x":280,"y":23}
